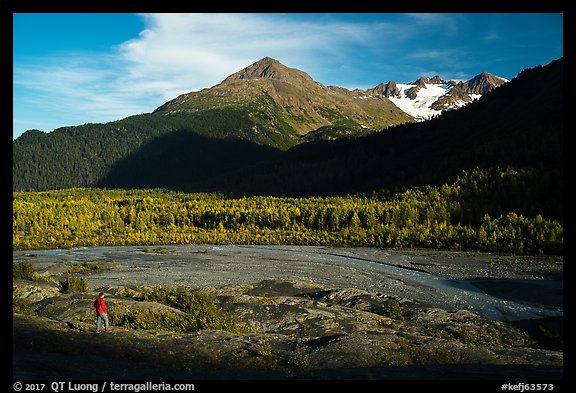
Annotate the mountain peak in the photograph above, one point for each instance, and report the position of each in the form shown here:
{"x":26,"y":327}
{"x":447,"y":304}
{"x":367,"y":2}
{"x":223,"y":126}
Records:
{"x":483,"y":83}
{"x":423,"y":81}
{"x":266,"y":67}
{"x":269,"y":68}
{"x":268,"y":60}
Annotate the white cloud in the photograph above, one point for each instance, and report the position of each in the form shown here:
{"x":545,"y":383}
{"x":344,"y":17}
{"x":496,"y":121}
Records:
{"x":431,"y":53}
{"x":83,"y":89}
{"x":448,"y":24}
{"x":199,"y":50}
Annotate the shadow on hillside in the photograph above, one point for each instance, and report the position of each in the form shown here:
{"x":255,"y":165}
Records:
{"x":186,"y":161}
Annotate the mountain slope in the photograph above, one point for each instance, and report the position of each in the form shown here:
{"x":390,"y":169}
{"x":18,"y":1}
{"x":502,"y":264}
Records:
{"x":282,"y":99}
{"x":519,"y":125}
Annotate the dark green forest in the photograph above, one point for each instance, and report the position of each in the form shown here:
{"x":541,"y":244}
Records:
{"x":93,"y":154}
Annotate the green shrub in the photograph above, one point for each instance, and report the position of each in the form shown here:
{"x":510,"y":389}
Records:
{"x":136,"y":318}
{"x":487,"y":336}
{"x":200,"y":312}
{"x":479,"y":335}
{"x":74,"y":285}
{"x":23,"y":270}
{"x":299,"y":360}
{"x":84,"y":267}
{"x":23,"y":305}
{"x":393,"y":310}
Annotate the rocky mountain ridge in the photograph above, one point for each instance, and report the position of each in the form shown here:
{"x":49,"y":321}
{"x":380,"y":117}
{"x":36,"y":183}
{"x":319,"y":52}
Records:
{"x":285,"y":100}
{"x":447,"y":95}
{"x":427,"y":97}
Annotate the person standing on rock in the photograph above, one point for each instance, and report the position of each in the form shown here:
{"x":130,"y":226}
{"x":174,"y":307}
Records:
{"x":100,"y":306}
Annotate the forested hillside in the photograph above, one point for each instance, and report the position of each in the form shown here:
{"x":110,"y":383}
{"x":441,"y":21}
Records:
{"x":92,"y":154}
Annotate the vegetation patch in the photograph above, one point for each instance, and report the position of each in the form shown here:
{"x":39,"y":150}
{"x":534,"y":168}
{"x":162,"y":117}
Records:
{"x":136,"y":318}
{"x":199,"y":312}
{"x":483,"y":335}
{"x":24,"y":270}
{"x":74,"y":285}
{"x":393,"y":310}
{"x":158,"y":250}
{"x":84,"y":267}
{"x":23,"y":305}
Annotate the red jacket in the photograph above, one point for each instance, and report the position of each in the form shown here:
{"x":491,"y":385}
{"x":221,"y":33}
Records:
{"x":100,"y":306}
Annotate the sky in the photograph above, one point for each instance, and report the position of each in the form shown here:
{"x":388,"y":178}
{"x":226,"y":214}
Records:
{"x":76,"y":68}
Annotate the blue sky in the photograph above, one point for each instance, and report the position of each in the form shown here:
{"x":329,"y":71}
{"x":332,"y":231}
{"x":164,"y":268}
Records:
{"x":71,"y":69}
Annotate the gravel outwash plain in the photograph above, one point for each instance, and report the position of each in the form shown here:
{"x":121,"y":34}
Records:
{"x":320,"y":314}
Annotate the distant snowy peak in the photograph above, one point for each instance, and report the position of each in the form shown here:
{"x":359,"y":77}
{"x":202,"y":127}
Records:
{"x":428,"y":97}
{"x":418,"y":101}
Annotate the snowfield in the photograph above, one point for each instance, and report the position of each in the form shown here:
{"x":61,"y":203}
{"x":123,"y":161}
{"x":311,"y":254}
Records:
{"x":420,"y":107}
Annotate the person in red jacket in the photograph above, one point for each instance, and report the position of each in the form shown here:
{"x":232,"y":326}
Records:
{"x":101,"y":311}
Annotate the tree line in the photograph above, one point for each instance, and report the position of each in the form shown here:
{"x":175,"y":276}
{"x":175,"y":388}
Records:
{"x":459,"y":215}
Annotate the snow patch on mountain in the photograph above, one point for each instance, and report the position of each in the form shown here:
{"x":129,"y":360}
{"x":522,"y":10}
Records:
{"x":429,"y":97}
{"x":420,"y":106}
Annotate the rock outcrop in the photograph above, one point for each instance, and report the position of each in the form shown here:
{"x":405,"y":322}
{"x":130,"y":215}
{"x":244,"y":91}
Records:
{"x":297,"y":329}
